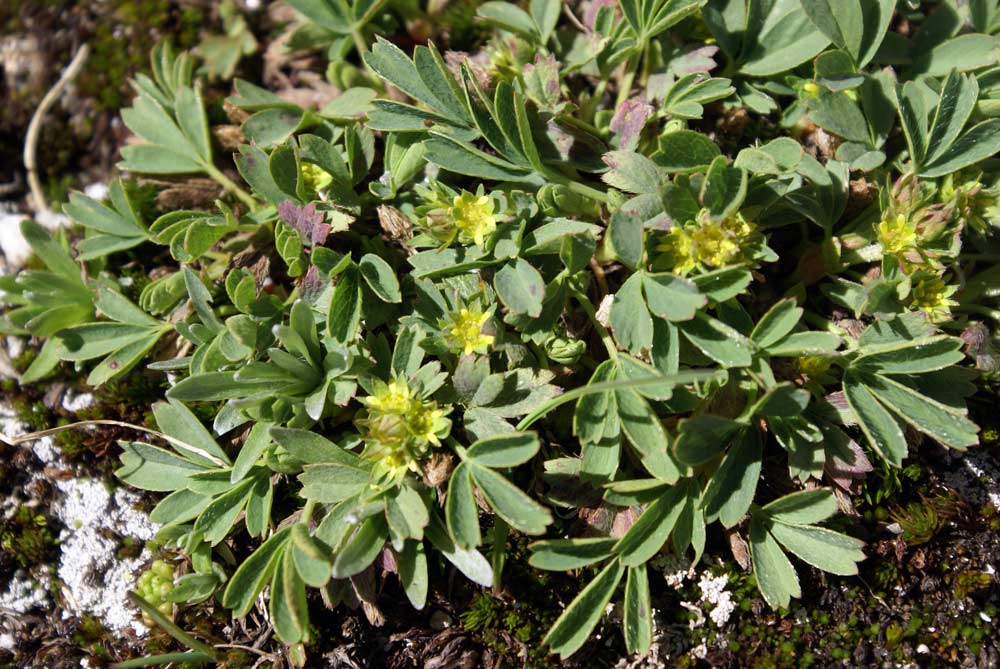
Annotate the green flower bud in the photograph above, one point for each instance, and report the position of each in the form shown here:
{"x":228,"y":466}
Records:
{"x":565,"y":351}
{"x":559,"y":200}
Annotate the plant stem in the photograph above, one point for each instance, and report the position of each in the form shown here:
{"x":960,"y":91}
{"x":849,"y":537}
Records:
{"x":307,"y":511}
{"x":576,"y":186}
{"x":230,"y":185}
{"x":625,"y":86}
{"x":681,"y":378}
{"x":979,"y":309}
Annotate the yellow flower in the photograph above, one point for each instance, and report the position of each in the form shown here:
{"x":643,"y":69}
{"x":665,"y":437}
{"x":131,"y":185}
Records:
{"x":473,"y":217}
{"x":426,"y":421}
{"x":315,"y":177}
{"x":715,"y":248}
{"x":897,"y":234}
{"x":811,"y":89}
{"x":737,"y":225}
{"x":399,"y":429}
{"x":678,"y":247}
{"x":462,"y":331}
{"x":391,"y":398}
{"x":931,"y":294}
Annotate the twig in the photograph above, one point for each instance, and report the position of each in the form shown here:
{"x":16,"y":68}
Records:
{"x":246,"y":648}
{"x":11,"y":186}
{"x":14,"y":441}
{"x":34,"y":127}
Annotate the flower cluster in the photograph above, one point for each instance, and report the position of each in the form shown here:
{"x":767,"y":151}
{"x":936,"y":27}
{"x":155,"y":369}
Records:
{"x":973,"y":203}
{"x":473,"y":217}
{"x":462,"y":330}
{"x":399,"y":428}
{"x":707,"y":243}
{"x":447,"y":215}
{"x":929,"y":293}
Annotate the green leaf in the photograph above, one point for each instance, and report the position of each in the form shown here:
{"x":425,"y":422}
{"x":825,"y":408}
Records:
{"x":723,"y":284}
{"x":977,"y":144}
{"x":168,"y":625}
{"x":178,"y":507}
{"x":545,"y":14}
{"x":645,"y":431}
{"x":578,"y":620}
{"x":192,"y":657}
{"x":958,"y":98}
{"x":520,"y":511}
{"x":630,"y":321}
{"x":774,"y":325}
{"x":685,"y":151}
{"x":521,"y":288}
{"x":964,"y":52}
{"x":781,"y":39}
{"x":288,"y":606}
{"x":311,"y":558}
{"x":208,"y":387}
{"x":406,"y":514}
{"x":841,"y":21}
{"x":362,"y":548}
{"x":648,"y":534}
{"x":824,"y":549}
{"x":345,"y":310}
{"x":93,"y":340}
{"x":218,"y":518}
{"x":380,"y":277}
{"x":631,"y":172}
{"x":176,"y":420}
{"x":637,"y":619}
{"x":568,"y":554}
{"x":330,"y":483}
{"x":462,"y":158}
{"x":939,"y":421}
{"x":421,"y":79}
{"x":911,"y":357}
{"x":412,"y":567}
{"x":723,"y":189}
{"x":151,"y":468}
{"x":249,"y":578}
{"x":52,"y":253}
{"x":775,"y":575}
{"x":625,"y":232}
{"x":784,"y":399}
{"x":883,"y":432}
{"x":123,"y":360}
{"x":731,"y":490}
{"x":461,"y":510}
{"x":253,"y":165}
{"x":672,"y":297}
{"x":470,"y":562}
{"x":119,"y":228}
{"x":703,"y":437}
{"x":804,"y":343}
{"x":311,"y":448}
{"x":805,"y":507}
{"x":508,"y":450}
{"x":836,"y":112}
{"x":718,"y":341}
{"x":876,"y":19}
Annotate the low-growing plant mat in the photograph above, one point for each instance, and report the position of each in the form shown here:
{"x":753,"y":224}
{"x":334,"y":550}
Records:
{"x":600,"y":334}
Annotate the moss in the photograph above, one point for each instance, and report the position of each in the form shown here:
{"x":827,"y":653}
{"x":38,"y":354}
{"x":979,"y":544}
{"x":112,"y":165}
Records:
{"x":27,"y":538}
{"x":110,"y":66}
{"x":526,"y":611}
